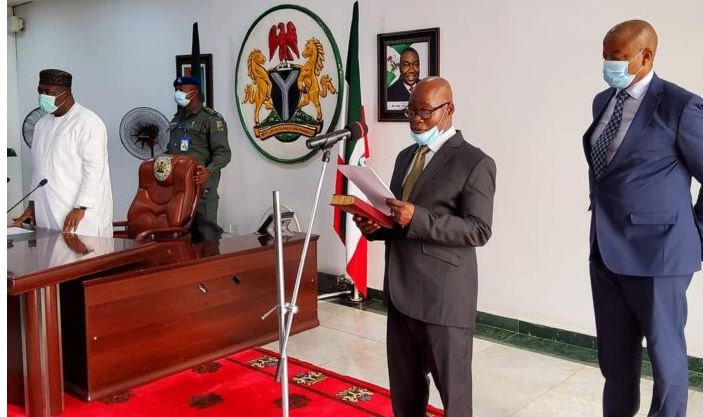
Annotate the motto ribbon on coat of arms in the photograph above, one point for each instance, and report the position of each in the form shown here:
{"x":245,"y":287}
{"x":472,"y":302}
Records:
{"x":289,"y":82}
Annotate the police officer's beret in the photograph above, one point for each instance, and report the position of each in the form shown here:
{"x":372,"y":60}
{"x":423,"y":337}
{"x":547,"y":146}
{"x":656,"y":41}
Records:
{"x":186,"y":81}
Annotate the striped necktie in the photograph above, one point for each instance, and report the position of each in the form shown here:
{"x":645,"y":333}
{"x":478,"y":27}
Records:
{"x":415,"y":171}
{"x":599,"y":149}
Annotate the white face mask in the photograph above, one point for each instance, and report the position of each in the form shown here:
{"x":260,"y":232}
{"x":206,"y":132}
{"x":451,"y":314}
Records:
{"x":181,"y":98}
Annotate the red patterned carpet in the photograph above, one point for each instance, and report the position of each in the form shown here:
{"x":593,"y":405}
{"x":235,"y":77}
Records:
{"x":241,"y":385}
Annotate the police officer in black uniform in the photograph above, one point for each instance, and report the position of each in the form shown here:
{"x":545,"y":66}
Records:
{"x":200,"y":132}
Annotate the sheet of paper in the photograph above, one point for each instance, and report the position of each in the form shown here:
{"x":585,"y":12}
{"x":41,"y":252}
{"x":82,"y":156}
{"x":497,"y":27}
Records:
{"x":370,"y":184}
{"x":12,"y":231}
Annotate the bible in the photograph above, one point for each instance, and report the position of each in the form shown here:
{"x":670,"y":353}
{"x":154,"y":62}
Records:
{"x":359,"y":207}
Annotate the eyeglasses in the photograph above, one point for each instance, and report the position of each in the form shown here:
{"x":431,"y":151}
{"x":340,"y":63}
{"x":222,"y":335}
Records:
{"x":424,"y":114}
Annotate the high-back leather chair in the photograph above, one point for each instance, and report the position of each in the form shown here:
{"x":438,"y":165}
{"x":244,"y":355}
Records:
{"x":166,"y":199}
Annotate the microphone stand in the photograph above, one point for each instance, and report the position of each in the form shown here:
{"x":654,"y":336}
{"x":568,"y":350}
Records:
{"x":41,"y":184}
{"x":286,"y":311}
{"x":23,"y":198}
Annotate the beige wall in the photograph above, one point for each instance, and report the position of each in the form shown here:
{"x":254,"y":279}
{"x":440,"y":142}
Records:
{"x":524,"y":74}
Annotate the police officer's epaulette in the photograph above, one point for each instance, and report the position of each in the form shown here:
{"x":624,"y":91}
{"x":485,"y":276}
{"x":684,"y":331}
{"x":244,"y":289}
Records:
{"x":212,"y":112}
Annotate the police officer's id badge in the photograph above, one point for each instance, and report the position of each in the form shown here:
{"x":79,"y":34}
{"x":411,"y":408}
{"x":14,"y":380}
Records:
{"x":185,"y":143}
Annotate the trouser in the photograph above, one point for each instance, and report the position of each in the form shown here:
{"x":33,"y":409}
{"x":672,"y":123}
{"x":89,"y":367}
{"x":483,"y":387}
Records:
{"x":204,"y":225}
{"x":416,"y":348}
{"x":628,"y":309}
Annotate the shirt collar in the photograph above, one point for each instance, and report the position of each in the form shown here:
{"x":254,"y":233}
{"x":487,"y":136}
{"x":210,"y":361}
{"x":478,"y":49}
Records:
{"x":638,"y":89}
{"x":443,"y":137}
{"x":182,"y":112}
{"x":70,"y":110}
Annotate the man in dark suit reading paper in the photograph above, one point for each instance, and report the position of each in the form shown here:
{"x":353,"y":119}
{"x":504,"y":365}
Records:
{"x":443,"y":211}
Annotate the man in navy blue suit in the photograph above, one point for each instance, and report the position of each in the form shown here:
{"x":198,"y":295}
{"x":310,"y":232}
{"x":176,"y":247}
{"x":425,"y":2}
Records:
{"x":644,"y":148}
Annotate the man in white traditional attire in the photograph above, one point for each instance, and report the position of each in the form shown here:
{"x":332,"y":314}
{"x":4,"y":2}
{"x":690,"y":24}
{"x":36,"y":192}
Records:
{"x":69,"y":149}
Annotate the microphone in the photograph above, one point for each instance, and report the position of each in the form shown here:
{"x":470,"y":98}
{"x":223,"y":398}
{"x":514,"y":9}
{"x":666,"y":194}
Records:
{"x":353,"y":130}
{"x":41,"y":184}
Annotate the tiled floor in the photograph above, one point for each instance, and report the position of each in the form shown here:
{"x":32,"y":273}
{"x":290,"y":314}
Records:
{"x":507,"y":381}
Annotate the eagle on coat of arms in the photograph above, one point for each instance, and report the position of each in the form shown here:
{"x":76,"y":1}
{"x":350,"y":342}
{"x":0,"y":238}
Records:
{"x":287,"y":89}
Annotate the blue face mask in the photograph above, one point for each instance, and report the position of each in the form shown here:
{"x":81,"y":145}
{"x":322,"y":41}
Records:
{"x":615,"y":73}
{"x":425,"y":137}
{"x":48,"y":103}
{"x":181,"y":98}
{"x":428,"y":136}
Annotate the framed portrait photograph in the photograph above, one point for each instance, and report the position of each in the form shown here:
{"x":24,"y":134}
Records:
{"x":404,"y":58}
{"x":183,"y":69}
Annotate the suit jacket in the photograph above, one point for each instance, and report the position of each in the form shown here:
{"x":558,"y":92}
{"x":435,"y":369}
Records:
{"x":431,"y":272}
{"x":641,"y":209}
{"x":397,"y":91}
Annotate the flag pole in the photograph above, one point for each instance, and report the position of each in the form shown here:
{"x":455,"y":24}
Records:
{"x":195,"y":60}
{"x":356,"y":297}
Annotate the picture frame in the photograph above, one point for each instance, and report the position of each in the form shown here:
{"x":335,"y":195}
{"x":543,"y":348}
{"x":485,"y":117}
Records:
{"x":183,"y":63}
{"x":419,"y":52}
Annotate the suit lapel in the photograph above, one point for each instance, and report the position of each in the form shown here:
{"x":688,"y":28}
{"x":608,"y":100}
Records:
{"x":399,"y":173}
{"x":644,"y":114}
{"x":600,"y":108}
{"x":444,"y":154}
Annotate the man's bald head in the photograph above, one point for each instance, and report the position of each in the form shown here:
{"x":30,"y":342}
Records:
{"x":637,"y":31}
{"x":634,"y":41}
{"x":434,"y":86}
{"x":432,"y":93}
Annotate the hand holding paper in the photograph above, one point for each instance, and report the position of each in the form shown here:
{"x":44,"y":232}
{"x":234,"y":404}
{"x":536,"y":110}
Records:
{"x":366,"y":180}
{"x":402,"y":211}
{"x":370,"y":184}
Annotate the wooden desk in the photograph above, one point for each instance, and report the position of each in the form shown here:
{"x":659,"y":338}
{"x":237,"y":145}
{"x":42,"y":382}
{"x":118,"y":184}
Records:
{"x":182,"y":305}
{"x":36,"y":264}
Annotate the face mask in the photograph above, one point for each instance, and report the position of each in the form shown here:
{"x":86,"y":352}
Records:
{"x":181,"y":98}
{"x":428,"y":136}
{"x":48,"y":103}
{"x":616,"y":75}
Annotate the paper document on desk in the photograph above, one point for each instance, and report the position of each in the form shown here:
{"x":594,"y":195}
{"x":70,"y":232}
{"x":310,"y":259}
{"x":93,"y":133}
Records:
{"x":370,"y":184}
{"x":12,"y":231}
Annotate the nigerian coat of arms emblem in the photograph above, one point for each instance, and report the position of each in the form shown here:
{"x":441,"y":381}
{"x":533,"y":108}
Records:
{"x":289,"y":82}
{"x":162,"y":167}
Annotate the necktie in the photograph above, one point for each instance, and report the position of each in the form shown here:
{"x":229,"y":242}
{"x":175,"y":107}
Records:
{"x":599,"y":149}
{"x":415,"y":171}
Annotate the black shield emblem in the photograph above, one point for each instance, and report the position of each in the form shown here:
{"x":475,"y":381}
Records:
{"x":284,"y":91}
